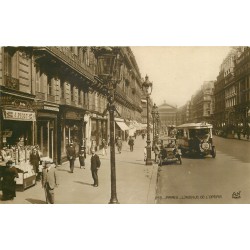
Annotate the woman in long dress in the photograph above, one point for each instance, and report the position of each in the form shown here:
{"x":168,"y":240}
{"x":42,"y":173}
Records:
{"x":8,"y":182}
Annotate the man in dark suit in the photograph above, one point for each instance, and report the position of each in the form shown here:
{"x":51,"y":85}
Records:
{"x":34,"y":161}
{"x":95,"y":165}
{"x":49,"y":181}
{"x":71,"y":154}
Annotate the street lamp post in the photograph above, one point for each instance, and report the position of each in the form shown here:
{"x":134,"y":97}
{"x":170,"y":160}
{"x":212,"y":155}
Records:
{"x":154,"y":127}
{"x":147,"y":89}
{"x":108,"y":70}
{"x":157,"y":116}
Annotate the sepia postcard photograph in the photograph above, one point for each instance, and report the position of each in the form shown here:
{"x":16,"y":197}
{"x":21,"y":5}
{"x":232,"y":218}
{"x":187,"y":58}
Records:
{"x":129,"y":125}
{"x":125,"y":125}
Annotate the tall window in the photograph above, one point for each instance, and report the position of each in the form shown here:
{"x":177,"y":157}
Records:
{"x":8,"y":63}
{"x":79,"y":97}
{"x":49,"y":85}
{"x":72,"y":91}
{"x":62,"y":89}
{"x":38,"y":80}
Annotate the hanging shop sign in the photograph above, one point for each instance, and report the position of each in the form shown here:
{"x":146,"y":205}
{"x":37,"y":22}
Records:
{"x":18,"y":115}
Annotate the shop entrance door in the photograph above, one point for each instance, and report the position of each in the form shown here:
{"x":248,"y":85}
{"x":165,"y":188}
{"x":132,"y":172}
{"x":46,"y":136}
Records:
{"x":51,"y":145}
{"x":45,"y":130}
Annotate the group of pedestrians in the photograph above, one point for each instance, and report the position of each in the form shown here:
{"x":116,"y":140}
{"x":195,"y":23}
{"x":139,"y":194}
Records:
{"x":95,"y":160}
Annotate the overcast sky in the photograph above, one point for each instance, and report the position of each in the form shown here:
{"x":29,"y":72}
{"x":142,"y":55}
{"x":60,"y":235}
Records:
{"x":178,"y":72}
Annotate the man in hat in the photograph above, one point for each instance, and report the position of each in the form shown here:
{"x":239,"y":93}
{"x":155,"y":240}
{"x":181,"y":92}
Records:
{"x":8,"y":183}
{"x":71,"y":154}
{"x":95,"y":165}
{"x":49,"y":181}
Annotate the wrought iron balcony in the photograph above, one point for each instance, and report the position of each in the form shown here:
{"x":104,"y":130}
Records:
{"x":72,"y":60}
{"x":11,"y":82}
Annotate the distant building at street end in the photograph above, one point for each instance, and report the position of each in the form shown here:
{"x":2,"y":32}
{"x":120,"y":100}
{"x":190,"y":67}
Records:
{"x":167,"y":113}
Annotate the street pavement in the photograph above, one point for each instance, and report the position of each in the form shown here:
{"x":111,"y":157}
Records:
{"x":223,"y":180}
{"x":135,"y":182}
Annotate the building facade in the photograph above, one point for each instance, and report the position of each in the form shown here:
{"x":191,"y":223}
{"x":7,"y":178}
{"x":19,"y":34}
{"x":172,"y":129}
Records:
{"x":168,"y":116}
{"x":202,"y":104}
{"x":51,"y":96}
{"x":183,"y":114}
{"x":232,"y":93}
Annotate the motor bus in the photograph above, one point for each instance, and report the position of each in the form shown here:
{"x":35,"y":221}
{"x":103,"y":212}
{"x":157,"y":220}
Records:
{"x":196,"y":139}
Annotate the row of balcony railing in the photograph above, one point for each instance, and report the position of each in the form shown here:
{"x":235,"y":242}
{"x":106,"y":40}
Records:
{"x":73,"y":60}
{"x":63,"y":101}
{"x":11,"y":82}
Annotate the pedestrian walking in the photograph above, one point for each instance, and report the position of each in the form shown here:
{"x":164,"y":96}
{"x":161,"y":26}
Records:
{"x":71,"y":154}
{"x":145,"y":153}
{"x":157,"y":151}
{"x":35,"y":161}
{"x":49,"y":181}
{"x":104,"y":147}
{"x":143,"y":135}
{"x":95,"y":165}
{"x":131,"y":143}
{"x":119,"y":145}
{"x":9,"y":174}
{"x":82,"y":156}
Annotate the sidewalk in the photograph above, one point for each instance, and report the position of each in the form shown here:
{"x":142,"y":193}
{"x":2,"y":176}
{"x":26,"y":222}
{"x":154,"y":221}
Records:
{"x":135,"y":182}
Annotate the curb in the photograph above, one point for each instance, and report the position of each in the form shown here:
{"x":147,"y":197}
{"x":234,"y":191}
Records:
{"x":153,"y":185}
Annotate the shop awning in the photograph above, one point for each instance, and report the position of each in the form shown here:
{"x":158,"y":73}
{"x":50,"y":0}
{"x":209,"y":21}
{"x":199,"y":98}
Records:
{"x":122,"y":126}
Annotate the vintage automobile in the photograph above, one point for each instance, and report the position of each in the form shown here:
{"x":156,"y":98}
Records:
{"x":196,"y":139}
{"x":169,"y":151}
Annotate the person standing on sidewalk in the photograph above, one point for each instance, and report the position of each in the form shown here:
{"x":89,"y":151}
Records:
{"x":104,"y":147}
{"x":82,"y":156}
{"x":71,"y":154}
{"x":157,"y":151}
{"x":131,"y":143}
{"x":35,"y":161}
{"x":119,"y":145}
{"x":95,"y":165}
{"x":49,"y":181}
{"x":8,"y":183}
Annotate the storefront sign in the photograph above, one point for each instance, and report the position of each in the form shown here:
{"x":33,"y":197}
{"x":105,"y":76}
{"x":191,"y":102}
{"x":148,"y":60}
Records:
{"x":51,"y":108}
{"x":18,"y":115}
{"x":73,"y":116}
